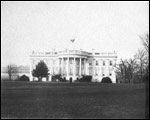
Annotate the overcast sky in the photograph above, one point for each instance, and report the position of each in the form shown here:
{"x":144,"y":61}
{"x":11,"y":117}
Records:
{"x":42,"y":26}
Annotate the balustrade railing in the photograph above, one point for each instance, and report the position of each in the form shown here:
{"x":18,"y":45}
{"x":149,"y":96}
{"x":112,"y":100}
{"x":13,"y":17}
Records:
{"x":77,"y":52}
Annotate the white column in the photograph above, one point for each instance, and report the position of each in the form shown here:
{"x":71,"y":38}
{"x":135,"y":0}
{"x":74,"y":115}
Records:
{"x":113,"y":78}
{"x":100,"y":70}
{"x":74,"y":67}
{"x":62,"y":66}
{"x":80,"y":67}
{"x":67,"y":66}
{"x":84,"y":66}
{"x":113,"y":71}
{"x":87,"y":67}
{"x":53,"y":67}
{"x":50,"y":78}
{"x":59,"y":65}
{"x":34,"y":66}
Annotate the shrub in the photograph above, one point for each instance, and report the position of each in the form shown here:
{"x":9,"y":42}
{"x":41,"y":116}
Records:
{"x":145,"y":78}
{"x":85,"y":78}
{"x":24,"y":78}
{"x":106,"y":80}
{"x":59,"y":78}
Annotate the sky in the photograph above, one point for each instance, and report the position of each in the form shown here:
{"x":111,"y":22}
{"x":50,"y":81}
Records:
{"x":28,"y":26}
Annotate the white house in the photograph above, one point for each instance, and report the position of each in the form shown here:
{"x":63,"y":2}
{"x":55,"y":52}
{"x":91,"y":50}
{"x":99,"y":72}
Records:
{"x":75,"y":63}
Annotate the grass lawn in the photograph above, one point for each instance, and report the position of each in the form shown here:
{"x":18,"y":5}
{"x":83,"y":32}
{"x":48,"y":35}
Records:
{"x":76,"y":100}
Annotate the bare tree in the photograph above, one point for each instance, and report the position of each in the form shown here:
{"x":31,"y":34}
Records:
{"x":121,"y":69}
{"x":141,"y":59}
{"x":127,"y":69}
{"x":131,"y":68}
{"x":140,"y":63}
{"x":11,"y":70}
{"x":145,"y":41}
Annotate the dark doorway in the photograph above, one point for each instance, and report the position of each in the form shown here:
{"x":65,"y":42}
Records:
{"x":106,"y":80}
{"x":70,"y":79}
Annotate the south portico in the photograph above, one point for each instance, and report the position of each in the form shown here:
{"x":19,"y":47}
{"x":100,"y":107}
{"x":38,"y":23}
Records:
{"x":72,"y":66}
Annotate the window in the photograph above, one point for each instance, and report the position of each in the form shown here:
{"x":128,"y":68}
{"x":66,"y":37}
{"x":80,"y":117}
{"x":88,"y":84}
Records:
{"x":71,"y":71}
{"x":110,"y":62}
{"x":77,"y":62}
{"x":96,"y":62}
{"x":90,"y":63}
{"x":110,"y":74}
{"x":97,"y":53}
{"x":71,"y":61}
{"x":103,"y":74}
{"x":103,"y":63}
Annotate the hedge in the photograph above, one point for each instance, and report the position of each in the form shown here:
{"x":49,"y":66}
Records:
{"x":24,"y":78}
{"x":85,"y":78}
{"x":59,"y":78}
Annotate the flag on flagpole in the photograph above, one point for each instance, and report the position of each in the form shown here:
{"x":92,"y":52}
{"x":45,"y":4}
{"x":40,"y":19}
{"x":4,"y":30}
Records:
{"x":72,"y":40}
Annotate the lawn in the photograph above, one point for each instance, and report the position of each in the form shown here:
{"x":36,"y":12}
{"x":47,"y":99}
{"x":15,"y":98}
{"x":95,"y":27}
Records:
{"x":76,"y":100}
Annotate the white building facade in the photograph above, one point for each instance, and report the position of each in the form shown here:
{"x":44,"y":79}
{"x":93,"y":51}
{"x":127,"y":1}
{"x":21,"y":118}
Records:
{"x":75,"y":63}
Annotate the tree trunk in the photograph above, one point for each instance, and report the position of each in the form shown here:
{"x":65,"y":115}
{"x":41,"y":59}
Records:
{"x":9,"y":77}
{"x":39,"y":79}
{"x":141,"y":73}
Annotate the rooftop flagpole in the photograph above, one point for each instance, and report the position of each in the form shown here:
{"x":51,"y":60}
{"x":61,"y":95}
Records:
{"x":73,"y":40}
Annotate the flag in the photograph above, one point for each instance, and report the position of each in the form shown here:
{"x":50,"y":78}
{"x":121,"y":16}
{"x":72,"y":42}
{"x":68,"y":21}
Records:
{"x":72,"y":40}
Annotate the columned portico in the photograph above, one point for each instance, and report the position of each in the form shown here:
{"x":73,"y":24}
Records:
{"x":69,"y":67}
